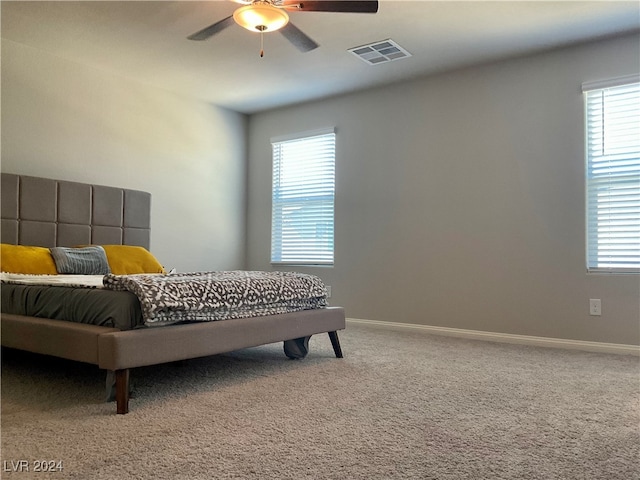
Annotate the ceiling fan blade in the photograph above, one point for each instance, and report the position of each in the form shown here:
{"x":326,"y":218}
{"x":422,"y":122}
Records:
{"x":211,"y":30}
{"x":345,"y":6}
{"x":298,"y":38}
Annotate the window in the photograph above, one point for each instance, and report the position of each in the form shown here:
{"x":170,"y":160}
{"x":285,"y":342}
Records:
{"x":303,"y":199}
{"x":613,"y":175}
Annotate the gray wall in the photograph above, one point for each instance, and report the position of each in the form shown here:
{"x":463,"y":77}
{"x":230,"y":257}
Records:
{"x":67,"y":121}
{"x":460,"y":198}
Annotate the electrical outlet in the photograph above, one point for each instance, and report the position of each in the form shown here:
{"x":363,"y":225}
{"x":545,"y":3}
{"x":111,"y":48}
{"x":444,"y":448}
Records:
{"x":328,"y":291}
{"x":595,"y":307}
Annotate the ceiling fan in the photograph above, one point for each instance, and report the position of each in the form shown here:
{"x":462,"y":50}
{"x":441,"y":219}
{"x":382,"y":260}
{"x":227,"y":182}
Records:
{"x":271,"y":15}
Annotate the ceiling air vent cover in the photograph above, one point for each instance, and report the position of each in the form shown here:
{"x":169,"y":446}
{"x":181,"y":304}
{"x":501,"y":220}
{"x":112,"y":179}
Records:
{"x":380,"y":52}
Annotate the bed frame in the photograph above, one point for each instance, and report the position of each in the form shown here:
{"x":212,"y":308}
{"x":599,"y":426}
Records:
{"x":49,"y":213}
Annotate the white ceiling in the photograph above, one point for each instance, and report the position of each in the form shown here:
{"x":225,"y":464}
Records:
{"x":146,"y":41}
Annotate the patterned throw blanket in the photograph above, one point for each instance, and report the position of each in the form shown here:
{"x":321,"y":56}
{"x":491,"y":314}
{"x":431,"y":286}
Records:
{"x":208,"y":296}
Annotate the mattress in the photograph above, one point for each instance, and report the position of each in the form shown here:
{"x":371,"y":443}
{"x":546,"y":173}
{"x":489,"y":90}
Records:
{"x":105,"y":308}
{"x":127,"y":302}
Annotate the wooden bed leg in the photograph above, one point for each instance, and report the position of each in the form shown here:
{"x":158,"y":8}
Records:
{"x":336,"y":344}
{"x":122,"y":391}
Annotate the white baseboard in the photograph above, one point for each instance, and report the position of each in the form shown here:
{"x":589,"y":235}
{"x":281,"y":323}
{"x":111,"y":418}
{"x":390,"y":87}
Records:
{"x":600,"y":347}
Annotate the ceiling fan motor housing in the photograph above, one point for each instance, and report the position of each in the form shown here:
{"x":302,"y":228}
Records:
{"x":261,"y":17}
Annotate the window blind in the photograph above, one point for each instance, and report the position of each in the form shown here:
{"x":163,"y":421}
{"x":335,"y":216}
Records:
{"x":302,"y":223}
{"x":613,"y":177}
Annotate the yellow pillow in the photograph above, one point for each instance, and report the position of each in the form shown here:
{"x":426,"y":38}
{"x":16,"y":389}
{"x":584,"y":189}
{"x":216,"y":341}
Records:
{"x":127,"y":259}
{"x":26,"y":259}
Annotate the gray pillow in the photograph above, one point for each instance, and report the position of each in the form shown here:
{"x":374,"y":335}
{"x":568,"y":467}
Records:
{"x":81,"y":261}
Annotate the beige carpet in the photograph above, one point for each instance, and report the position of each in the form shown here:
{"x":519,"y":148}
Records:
{"x":400,"y":405}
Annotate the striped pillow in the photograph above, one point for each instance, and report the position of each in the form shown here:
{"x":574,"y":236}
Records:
{"x":81,"y":261}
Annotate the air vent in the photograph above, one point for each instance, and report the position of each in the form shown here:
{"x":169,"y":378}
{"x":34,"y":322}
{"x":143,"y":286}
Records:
{"x":380,"y":52}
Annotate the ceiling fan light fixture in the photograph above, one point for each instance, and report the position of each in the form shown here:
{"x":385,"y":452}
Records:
{"x":261,"y":17}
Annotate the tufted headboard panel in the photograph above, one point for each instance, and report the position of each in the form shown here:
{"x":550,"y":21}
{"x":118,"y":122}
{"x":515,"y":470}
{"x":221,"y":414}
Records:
{"x":55,"y":213}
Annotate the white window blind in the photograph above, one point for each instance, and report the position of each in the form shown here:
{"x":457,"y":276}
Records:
{"x":302,"y":223}
{"x":613,"y":175}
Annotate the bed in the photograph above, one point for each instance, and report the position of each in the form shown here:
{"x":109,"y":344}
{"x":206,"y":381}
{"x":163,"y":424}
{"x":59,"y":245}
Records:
{"x":53,"y":213}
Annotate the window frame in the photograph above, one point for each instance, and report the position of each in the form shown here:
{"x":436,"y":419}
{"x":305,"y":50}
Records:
{"x":592,"y":258}
{"x":278,"y":255}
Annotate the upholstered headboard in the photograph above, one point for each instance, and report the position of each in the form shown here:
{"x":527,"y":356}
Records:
{"x":50,"y":213}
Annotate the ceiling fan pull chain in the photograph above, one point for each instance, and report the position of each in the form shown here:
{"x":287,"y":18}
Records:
{"x":261,"y":43}
{"x":261,"y":29}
